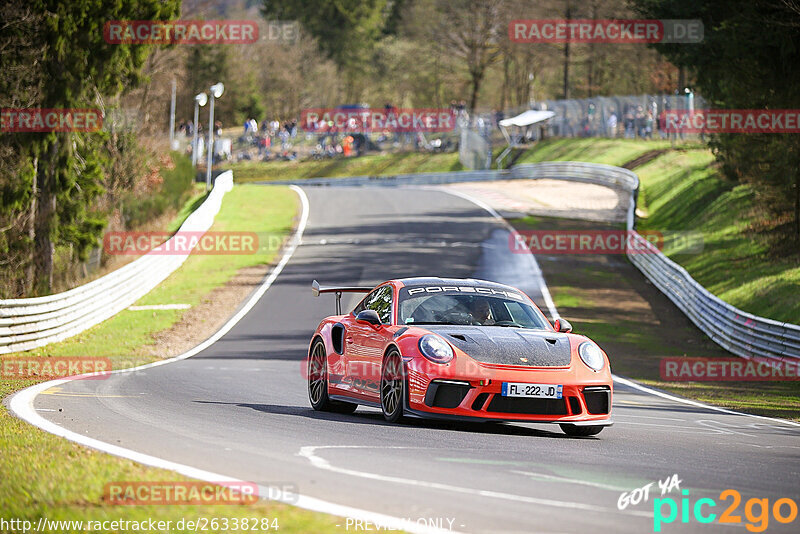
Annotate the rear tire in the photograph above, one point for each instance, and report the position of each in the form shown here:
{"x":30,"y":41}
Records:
{"x":581,"y":431}
{"x":318,"y":383}
{"x":393,"y":387}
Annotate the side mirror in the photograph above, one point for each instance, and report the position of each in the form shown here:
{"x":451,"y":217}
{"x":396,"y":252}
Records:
{"x":562,"y":325}
{"x":368,"y":316}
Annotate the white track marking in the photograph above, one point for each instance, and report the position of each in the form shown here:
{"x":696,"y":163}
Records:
{"x":551,"y":307}
{"x":309,"y":453}
{"x":674,"y":428}
{"x":548,"y":299}
{"x":772,"y":446}
{"x":618,"y":415}
{"x":651,"y":391}
{"x":721,"y":427}
{"x":21,"y":404}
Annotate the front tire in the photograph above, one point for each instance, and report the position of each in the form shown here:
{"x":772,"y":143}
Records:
{"x":576,"y":431}
{"x":318,"y":383}
{"x":393,"y":387}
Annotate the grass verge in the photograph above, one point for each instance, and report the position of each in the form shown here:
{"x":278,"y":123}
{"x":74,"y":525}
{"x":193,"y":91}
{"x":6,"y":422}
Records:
{"x":606,"y":298}
{"x":684,"y":192}
{"x":46,"y":476}
{"x":681,"y":191}
{"x":373,"y":165}
{"x":608,"y":151}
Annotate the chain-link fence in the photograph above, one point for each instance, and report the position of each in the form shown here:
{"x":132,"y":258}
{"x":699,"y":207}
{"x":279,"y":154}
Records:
{"x":633,"y":116}
{"x":629,"y":117}
{"x":475,"y":135}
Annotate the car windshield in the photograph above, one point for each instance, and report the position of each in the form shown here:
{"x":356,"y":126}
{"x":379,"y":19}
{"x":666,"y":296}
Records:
{"x":462,"y":307}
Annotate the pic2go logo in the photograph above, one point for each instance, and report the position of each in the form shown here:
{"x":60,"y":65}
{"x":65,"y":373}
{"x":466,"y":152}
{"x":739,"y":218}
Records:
{"x":758,"y":519}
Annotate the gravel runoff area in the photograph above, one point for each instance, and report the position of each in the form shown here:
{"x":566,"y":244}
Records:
{"x":549,"y":198}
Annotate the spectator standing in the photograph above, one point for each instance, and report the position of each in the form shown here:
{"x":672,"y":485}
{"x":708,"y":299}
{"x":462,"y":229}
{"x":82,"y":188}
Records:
{"x":611,"y":125}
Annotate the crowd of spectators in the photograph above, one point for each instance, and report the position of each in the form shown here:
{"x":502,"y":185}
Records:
{"x":278,"y":139}
{"x":274,"y":138}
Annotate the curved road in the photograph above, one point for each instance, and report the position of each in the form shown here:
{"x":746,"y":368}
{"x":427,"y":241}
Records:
{"x":240,"y":407}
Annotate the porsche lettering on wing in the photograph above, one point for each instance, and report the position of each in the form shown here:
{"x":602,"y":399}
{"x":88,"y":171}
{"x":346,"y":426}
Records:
{"x":464,"y":289}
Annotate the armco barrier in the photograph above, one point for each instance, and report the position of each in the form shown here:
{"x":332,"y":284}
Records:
{"x":30,"y":323}
{"x":424,"y":178}
{"x":739,"y":332}
{"x":34,"y":322}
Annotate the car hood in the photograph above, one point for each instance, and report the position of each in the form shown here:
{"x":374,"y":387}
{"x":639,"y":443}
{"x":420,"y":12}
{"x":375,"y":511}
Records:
{"x":508,"y":346}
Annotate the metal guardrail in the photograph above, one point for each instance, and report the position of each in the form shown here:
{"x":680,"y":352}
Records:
{"x":31,"y":323}
{"x":741,"y":333}
{"x":34,"y":322}
{"x":737,"y":331}
{"x":394,"y":180}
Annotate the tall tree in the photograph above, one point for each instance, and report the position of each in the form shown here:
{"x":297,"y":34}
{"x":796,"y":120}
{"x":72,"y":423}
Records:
{"x":567,"y":58}
{"x":81,"y":69}
{"x":749,"y":59}
{"x":21,"y":82}
{"x":471,"y":30}
{"x":346,"y":30}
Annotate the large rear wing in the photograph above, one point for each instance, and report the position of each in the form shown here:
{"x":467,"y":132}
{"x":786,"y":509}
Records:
{"x":317,"y":290}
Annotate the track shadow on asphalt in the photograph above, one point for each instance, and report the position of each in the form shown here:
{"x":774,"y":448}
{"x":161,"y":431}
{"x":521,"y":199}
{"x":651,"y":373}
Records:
{"x":690,"y":410}
{"x":672,"y":408}
{"x":372,"y":251}
{"x":376,"y":419}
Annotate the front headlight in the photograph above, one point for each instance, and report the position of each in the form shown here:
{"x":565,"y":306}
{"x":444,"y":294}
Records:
{"x":591,"y":355}
{"x":435,"y":348}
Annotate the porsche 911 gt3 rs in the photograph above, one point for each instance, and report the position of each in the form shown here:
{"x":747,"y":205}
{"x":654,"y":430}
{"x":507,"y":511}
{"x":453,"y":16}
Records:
{"x":457,"y":349}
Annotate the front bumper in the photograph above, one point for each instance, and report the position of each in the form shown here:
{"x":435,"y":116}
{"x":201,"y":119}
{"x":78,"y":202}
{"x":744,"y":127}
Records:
{"x":586,"y":398}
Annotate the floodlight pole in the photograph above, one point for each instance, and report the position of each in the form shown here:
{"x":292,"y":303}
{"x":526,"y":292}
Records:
{"x":199,"y":100}
{"x":172,"y":116}
{"x":210,"y":147}
{"x":216,"y":92}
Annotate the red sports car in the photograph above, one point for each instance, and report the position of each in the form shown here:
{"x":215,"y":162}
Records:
{"x":457,"y":349}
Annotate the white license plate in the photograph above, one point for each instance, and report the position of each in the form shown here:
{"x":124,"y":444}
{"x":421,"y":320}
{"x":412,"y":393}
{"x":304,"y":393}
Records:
{"x":537,"y":391}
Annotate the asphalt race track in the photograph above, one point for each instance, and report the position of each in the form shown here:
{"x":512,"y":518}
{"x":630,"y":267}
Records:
{"x":240,"y":407}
